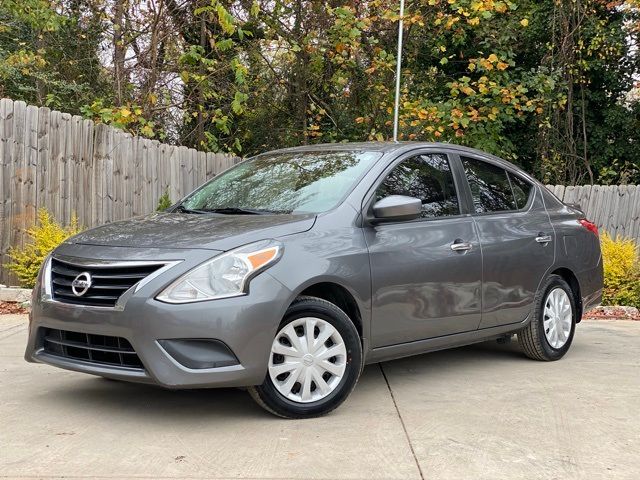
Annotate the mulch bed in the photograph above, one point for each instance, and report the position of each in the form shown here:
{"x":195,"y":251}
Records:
{"x":613,"y":313}
{"x":12,"y":308}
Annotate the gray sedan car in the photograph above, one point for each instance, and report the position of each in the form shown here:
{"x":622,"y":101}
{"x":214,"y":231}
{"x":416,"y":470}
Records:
{"x":290,"y":271}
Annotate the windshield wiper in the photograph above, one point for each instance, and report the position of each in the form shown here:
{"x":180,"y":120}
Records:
{"x":182,"y":209}
{"x":236,"y":211}
{"x":227,"y":210}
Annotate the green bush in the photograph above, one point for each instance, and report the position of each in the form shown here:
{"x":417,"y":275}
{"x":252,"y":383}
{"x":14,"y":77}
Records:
{"x":621,"y":271}
{"x":45,"y":235}
{"x":164,"y":202}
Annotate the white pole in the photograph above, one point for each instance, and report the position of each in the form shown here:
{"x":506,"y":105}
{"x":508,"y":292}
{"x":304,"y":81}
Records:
{"x":398,"y":67}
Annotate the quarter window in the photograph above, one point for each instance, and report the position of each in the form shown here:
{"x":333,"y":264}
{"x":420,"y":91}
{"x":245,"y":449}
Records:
{"x":521,"y":190}
{"x":490,"y":186}
{"x":427,"y":177}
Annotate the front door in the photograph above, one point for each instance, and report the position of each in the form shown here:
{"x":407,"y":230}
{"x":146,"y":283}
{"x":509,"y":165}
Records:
{"x":426,"y":273}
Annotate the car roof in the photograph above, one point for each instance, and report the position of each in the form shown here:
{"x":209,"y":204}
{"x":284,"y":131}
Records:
{"x":384,"y":147}
{"x":401,"y":147}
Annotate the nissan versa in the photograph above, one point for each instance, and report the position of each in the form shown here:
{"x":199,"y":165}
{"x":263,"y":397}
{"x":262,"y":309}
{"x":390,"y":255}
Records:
{"x":291,"y":270}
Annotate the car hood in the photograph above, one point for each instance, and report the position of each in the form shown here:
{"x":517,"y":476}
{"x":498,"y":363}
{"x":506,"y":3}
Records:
{"x":207,"y":231}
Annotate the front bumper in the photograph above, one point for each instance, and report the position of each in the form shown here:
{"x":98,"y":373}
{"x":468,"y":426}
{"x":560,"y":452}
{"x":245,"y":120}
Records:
{"x":246,"y":325}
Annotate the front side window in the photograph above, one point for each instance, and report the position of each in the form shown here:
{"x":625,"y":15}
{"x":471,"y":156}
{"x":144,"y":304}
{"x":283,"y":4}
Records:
{"x":296,"y":182}
{"x":427,"y":177}
{"x":490,"y":186}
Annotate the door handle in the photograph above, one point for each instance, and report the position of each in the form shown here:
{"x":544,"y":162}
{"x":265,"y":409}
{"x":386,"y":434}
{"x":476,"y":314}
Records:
{"x":459,"y":246}
{"x":544,"y":239}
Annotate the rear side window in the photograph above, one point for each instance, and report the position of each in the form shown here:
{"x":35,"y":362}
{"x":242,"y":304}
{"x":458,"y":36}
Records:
{"x":521,"y":190}
{"x":427,"y":177}
{"x":490,"y":186}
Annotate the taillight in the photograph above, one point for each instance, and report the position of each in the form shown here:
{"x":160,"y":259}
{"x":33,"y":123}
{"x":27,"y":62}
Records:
{"x":592,"y":227}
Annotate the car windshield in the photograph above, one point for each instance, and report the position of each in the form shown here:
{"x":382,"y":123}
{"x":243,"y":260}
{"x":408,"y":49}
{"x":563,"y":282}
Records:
{"x":295,"y":182}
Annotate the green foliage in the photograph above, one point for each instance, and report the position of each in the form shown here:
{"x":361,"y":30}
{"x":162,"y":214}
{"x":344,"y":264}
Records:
{"x":164,"y":202}
{"x":621,"y":271}
{"x":216,"y":77}
{"x":49,"y":54}
{"x":127,"y":117}
{"x":46,"y":235}
{"x":548,"y":84}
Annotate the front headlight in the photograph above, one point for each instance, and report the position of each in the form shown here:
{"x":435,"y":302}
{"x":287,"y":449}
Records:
{"x":226,"y":275}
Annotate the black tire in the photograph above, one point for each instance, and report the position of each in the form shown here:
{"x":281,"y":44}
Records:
{"x":532,"y":338}
{"x":269,"y":398}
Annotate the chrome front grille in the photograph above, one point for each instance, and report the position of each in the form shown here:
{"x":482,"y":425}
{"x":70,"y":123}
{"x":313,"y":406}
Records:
{"x":107,"y":281}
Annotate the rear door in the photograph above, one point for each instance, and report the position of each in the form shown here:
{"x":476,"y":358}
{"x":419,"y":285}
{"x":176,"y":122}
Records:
{"x":426,"y":273}
{"x":516,"y":237}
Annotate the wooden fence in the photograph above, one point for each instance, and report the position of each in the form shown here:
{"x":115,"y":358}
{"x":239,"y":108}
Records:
{"x":614,"y":208}
{"x":70,"y":165}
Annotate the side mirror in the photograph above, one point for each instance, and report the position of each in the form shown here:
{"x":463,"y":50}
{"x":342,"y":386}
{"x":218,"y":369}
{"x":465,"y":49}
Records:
{"x":397,"y":208}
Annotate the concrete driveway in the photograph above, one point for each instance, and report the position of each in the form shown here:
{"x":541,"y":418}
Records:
{"x":472,"y":413}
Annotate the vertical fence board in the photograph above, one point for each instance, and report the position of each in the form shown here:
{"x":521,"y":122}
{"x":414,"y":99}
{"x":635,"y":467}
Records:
{"x":44,"y":160}
{"x":97,"y":195}
{"x":129,"y":168}
{"x":210,"y":165}
{"x":174,"y":178}
{"x":88,"y":146}
{"x":16,"y":191}
{"x":202,"y":168}
{"x":146,"y":195}
{"x":77,"y":196}
{"x":162,"y":170}
{"x":6,"y":149}
{"x":17,"y":162}
{"x":634,"y":214}
{"x":193,"y":155}
{"x":52,"y":185}
{"x":65,"y":175}
{"x":595,"y":205}
{"x":609,"y":205}
{"x":590,"y":205}
{"x":189,"y":171}
{"x":559,"y":191}
{"x":165,"y":170}
{"x":219,"y":163}
{"x":119,"y":152}
{"x":155,"y":167}
{"x":138,"y":175}
{"x":620,"y":210}
{"x":183,"y":174}
{"x":584,"y":195}
{"x":141,"y":182}
{"x":29,"y":173}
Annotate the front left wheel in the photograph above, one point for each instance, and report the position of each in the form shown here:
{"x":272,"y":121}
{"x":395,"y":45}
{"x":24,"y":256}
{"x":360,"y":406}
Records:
{"x":314,"y":363}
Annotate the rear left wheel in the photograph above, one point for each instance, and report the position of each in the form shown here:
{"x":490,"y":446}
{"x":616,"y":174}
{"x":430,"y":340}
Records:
{"x":550,"y":332}
{"x":314,"y":363}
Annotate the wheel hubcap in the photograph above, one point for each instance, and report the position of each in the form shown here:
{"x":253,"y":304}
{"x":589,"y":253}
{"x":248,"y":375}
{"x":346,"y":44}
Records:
{"x":308,"y":360}
{"x":558,"y":317}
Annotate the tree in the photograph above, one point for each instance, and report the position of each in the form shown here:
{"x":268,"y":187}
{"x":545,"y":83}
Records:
{"x":547,"y":84}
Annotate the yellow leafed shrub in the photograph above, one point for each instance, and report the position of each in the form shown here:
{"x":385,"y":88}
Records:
{"x":45,"y":235}
{"x":621,"y":271}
